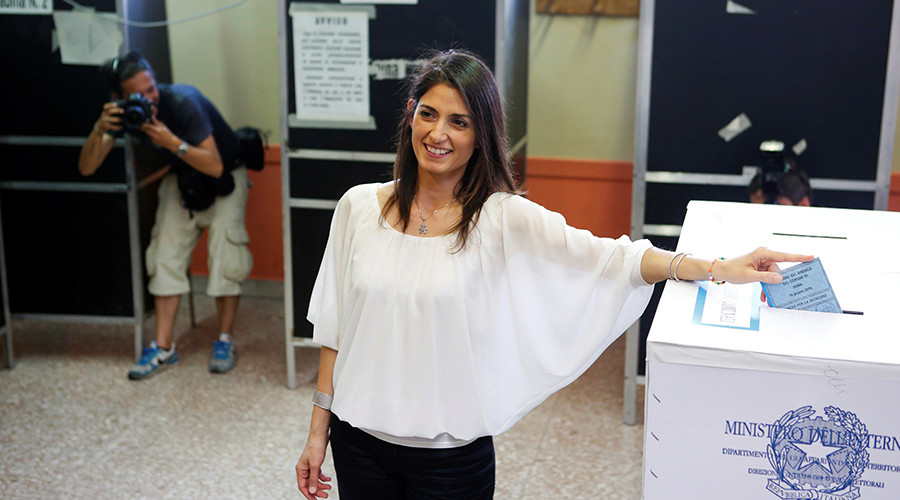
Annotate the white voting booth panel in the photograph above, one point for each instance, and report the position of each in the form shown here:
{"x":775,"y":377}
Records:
{"x":748,"y":402}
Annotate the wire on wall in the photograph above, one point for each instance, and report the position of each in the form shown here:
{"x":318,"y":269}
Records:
{"x":155,"y":24}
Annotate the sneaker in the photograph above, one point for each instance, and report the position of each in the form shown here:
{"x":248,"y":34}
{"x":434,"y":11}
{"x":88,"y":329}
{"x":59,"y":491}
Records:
{"x":153,"y":359}
{"x":222,"y":357}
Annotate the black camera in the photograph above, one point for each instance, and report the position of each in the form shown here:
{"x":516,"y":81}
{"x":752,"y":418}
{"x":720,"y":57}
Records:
{"x":779,"y":175}
{"x":136,"y":110}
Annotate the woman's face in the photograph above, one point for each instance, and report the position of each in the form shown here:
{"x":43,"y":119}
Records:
{"x":443,"y":134}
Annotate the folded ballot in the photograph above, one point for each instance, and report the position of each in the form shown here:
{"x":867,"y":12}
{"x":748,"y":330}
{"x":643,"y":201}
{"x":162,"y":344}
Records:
{"x":805,"y":286}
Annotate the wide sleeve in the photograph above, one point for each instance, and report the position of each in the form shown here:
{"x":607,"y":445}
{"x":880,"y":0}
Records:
{"x":560,"y":296}
{"x":327,"y":295}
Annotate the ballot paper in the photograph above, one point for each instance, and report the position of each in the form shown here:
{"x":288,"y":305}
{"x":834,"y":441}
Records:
{"x":805,"y":286}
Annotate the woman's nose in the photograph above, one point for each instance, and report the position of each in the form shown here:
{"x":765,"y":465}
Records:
{"x":439,"y":131}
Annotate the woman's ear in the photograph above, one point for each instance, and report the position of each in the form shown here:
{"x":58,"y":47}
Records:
{"x":410,"y":108}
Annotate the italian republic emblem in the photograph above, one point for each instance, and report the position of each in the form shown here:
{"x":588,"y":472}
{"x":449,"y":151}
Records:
{"x":818,"y":458}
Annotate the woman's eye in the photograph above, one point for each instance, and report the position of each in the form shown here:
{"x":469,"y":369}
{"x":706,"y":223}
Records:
{"x":461,"y":123}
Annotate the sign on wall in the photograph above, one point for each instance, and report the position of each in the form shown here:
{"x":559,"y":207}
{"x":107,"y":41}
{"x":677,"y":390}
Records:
{"x":31,"y":7}
{"x":331,"y":67}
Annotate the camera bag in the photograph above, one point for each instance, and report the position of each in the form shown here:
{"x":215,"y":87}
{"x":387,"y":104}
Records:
{"x":253,"y":144}
{"x":199,"y":191}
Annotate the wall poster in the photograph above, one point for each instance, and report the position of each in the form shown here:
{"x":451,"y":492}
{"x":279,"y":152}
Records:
{"x":331,"y":66}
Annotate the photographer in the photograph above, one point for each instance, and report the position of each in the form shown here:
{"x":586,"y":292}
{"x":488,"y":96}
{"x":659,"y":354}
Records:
{"x":780,"y":179}
{"x":203,"y":186}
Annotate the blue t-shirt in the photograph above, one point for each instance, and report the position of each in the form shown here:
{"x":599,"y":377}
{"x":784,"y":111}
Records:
{"x":192,"y":117}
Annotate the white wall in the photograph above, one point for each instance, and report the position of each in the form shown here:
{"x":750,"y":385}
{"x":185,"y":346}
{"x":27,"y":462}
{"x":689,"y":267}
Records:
{"x":583,"y":71}
{"x":232,"y":57}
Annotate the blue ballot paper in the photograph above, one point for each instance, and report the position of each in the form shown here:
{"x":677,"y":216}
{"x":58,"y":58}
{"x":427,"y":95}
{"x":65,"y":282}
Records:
{"x":805,"y":286}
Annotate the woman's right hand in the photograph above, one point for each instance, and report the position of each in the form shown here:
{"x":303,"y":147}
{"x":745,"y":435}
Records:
{"x":310,"y":480}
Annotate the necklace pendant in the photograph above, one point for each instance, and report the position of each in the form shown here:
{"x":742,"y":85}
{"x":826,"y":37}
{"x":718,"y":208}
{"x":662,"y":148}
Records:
{"x":423,"y":229}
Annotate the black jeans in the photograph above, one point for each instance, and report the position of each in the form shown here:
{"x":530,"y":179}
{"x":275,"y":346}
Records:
{"x":369,"y":468}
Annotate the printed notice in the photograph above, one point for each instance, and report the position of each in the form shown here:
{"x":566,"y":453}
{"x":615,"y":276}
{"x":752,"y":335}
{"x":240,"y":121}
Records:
{"x":728,"y":305}
{"x":805,"y":286}
{"x":86,"y":38}
{"x":44,"y":7}
{"x":331,"y":65}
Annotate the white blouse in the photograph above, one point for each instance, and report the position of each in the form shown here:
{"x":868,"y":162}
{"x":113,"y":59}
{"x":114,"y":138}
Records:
{"x":437,"y":345}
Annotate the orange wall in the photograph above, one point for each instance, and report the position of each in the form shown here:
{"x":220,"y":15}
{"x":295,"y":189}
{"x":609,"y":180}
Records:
{"x":591,"y":194}
{"x":263,"y":220}
{"x":596,"y":194}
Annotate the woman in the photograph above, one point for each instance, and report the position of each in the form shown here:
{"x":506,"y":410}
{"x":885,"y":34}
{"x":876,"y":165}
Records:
{"x":447,"y":306}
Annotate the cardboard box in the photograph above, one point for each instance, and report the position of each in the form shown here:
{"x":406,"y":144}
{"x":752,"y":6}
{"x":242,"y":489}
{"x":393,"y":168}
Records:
{"x":746,"y":401}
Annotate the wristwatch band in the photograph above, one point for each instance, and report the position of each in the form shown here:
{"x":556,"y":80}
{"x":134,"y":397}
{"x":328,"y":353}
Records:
{"x":182,"y":150}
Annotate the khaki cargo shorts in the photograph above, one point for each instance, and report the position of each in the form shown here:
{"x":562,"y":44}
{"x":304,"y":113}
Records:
{"x":175,"y":234}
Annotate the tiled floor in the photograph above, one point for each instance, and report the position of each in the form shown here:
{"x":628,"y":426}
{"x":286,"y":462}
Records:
{"x":73,"y":426}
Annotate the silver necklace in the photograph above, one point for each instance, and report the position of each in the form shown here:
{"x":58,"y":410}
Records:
{"x":423,"y":229}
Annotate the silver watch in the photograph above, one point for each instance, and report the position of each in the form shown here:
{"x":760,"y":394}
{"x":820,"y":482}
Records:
{"x":182,"y":150}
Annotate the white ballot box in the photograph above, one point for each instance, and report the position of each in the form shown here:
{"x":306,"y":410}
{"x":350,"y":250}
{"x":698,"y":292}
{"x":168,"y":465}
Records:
{"x":744,"y":401}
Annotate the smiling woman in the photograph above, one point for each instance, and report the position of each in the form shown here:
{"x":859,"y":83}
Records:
{"x":443,"y":138}
{"x":418,"y":323}
{"x":452,"y":147}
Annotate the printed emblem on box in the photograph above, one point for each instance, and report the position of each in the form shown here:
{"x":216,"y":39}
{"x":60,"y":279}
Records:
{"x":817,"y":457}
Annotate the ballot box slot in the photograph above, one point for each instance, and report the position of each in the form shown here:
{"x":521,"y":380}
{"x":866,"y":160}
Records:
{"x":811,"y":236}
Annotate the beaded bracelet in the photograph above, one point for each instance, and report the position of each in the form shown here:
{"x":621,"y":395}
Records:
{"x":709,"y":271}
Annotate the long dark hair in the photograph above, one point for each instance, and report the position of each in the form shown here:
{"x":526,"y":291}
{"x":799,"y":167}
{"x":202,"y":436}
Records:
{"x":489,"y":169}
{"x":122,"y":68}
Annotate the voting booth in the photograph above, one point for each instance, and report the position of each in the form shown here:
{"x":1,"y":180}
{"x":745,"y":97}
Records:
{"x":745,"y":401}
{"x":72,"y":246}
{"x":718,"y":79}
{"x":343,"y":66}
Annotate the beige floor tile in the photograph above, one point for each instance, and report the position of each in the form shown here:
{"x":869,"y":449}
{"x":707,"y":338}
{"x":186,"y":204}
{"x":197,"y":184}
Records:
{"x":73,"y":426}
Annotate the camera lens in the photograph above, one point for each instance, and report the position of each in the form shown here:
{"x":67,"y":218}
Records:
{"x":136,"y":110}
{"x":134,"y":116}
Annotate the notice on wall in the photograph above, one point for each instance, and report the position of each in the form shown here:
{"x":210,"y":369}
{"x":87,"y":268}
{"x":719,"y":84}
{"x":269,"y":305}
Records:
{"x":392,"y":69}
{"x":331,"y":68}
{"x":86,"y":38}
{"x":32,"y":7}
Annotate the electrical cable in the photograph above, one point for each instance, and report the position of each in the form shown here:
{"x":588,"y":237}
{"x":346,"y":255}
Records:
{"x":153,"y":24}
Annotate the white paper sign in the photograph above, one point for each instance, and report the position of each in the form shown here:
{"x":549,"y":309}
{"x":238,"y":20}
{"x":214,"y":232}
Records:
{"x":728,"y":305}
{"x":388,"y":69}
{"x":735,"y":127}
{"x":86,"y":38}
{"x":331,"y":65}
{"x":26,"y":7}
